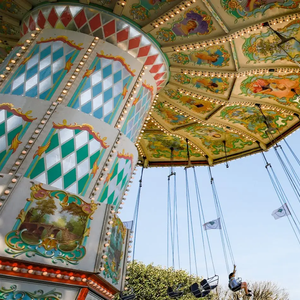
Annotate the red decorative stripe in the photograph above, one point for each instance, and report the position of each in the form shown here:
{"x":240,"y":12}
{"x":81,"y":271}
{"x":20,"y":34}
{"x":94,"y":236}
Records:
{"x":89,"y":128}
{"x":119,"y":59}
{"x":126,"y":156}
{"x":149,"y":87}
{"x":17,"y":112}
{"x":63,"y":39}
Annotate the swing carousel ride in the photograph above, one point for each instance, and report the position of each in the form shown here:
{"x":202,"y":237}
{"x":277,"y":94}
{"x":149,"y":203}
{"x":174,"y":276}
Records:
{"x":226,"y":81}
{"x":154,"y":83}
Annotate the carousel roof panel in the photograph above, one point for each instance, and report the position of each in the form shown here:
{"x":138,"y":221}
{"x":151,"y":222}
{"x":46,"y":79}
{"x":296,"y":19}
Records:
{"x":232,"y":85}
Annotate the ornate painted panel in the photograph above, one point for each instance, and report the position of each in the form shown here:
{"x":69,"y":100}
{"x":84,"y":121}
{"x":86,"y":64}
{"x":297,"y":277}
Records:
{"x":212,"y":138}
{"x":219,"y":86}
{"x":145,"y":9}
{"x":159,"y":147}
{"x":195,"y":21}
{"x":43,"y":69}
{"x":263,"y":47}
{"x":103,"y":87}
{"x":213,"y":57}
{"x":252,"y":119}
{"x":138,"y":111}
{"x":113,"y":263}
{"x":194,"y":104}
{"x":170,"y":116}
{"x":284,"y":89}
{"x":244,"y":9}
{"x":13,"y":292}
{"x":13,"y":125}
{"x":69,"y":157}
{"x":117,"y":179}
{"x":53,"y":224}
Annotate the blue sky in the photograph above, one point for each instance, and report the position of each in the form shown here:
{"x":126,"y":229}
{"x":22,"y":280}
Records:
{"x":264,"y":249}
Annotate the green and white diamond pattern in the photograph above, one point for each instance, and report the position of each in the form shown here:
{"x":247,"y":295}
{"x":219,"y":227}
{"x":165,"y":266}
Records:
{"x":68,"y":161}
{"x":10,"y":126}
{"x":113,"y":190}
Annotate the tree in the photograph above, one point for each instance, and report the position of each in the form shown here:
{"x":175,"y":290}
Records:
{"x":151,"y":282}
{"x":45,"y":207}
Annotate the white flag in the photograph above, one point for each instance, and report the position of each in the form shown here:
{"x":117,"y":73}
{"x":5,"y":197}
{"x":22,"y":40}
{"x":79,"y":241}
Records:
{"x":214,"y":224}
{"x":128,"y":224}
{"x":282,"y":211}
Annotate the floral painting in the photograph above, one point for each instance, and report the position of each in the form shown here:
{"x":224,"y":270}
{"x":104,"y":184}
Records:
{"x":213,"y":137}
{"x":160,"y":146}
{"x":243,"y":9}
{"x":216,"y":85}
{"x":143,"y":10}
{"x":214,"y":56}
{"x":253,"y":120}
{"x":263,"y":46}
{"x":197,"y":105}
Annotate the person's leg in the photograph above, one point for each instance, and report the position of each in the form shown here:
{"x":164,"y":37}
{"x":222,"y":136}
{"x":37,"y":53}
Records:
{"x":244,"y":286}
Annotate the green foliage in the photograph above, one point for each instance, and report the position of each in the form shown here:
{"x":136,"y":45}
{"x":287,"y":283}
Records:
{"x":151,"y":282}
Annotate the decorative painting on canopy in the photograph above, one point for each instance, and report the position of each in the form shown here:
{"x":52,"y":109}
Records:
{"x":194,"y":104}
{"x":263,"y":46}
{"x":285,"y":89}
{"x":253,"y":120}
{"x":13,"y":293}
{"x":194,"y":22}
{"x":53,"y":224}
{"x":8,"y":29}
{"x":216,"y":85}
{"x":243,"y":9}
{"x":142,"y":10}
{"x":213,"y":138}
{"x":160,"y":146}
{"x":169,"y":115}
{"x":4,"y":51}
{"x":10,"y":6}
{"x":115,"y":251}
{"x":214,"y":56}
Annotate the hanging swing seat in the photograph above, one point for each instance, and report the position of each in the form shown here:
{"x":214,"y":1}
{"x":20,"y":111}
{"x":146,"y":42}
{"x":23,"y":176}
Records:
{"x":200,"y":292}
{"x":174,"y":294}
{"x":238,"y":287}
{"x":128,"y":296}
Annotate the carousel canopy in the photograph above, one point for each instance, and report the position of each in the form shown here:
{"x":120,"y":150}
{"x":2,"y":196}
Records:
{"x":233,"y":86}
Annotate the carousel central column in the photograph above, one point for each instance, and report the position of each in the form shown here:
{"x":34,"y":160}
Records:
{"x":72,"y":104}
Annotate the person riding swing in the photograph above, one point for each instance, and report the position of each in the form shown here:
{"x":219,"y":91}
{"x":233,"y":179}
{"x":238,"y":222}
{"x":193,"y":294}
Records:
{"x":237,"y":284}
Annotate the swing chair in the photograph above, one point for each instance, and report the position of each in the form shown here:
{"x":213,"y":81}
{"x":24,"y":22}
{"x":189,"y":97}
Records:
{"x":174,"y":294}
{"x":131,"y":295}
{"x":206,"y":285}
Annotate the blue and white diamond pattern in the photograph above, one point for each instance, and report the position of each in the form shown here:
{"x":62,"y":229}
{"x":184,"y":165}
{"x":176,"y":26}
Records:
{"x":100,"y":94}
{"x":10,"y":126}
{"x":43,"y":72}
{"x":137,"y":116}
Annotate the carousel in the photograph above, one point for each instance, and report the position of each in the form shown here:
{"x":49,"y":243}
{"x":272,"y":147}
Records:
{"x":91,"y":89}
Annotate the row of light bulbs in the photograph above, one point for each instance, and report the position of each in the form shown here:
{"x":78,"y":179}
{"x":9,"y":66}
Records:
{"x":131,"y":97}
{"x":172,"y":13}
{"x":239,"y":74}
{"x":55,"y":274}
{"x":225,"y":103}
{"x":193,"y":119}
{"x":9,"y":188}
{"x":13,"y":62}
{"x":51,"y":110}
{"x":235,"y":35}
